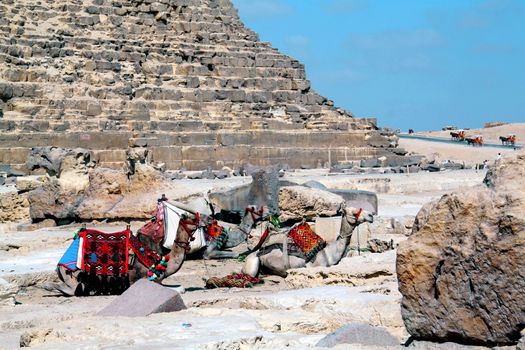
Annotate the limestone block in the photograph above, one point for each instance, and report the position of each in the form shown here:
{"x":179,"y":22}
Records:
{"x":359,"y":333}
{"x":144,"y":298}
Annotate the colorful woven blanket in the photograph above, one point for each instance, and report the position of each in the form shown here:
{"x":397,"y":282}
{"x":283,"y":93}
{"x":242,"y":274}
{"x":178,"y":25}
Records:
{"x":239,"y":280}
{"x":104,"y":253}
{"x":218,"y":233}
{"x":146,"y":256}
{"x":307,"y":240}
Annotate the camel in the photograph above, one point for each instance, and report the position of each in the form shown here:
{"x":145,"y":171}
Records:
{"x":236,"y":235}
{"x":79,"y":283}
{"x":274,"y":258}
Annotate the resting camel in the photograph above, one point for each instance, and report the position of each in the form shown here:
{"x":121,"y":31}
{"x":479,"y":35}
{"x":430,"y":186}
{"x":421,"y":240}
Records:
{"x":79,"y":283}
{"x":274,"y":258}
{"x":236,"y":234}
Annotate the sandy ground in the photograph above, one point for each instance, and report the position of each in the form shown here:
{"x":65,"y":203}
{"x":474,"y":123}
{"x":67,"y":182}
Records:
{"x":270,"y":316}
{"x":459,"y":153}
{"x":490,"y":135}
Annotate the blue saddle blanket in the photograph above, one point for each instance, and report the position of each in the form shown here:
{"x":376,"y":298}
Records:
{"x":69,"y":259}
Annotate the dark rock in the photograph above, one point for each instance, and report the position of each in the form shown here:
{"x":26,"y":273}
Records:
{"x":430,"y":167}
{"x":144,"y":298}
{"x":370,"y":163}
{"x":221,"y":174}
{"x":379,"y":246}
{"x":399,"y":151}
{"x":452,"y":166}
{"x":359,"y":333}
{"x":195,"y":176}
{"x":49,"y":158}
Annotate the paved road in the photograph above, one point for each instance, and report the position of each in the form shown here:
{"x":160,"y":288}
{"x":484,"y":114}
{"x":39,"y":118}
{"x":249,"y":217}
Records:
{"x":447,"y":140}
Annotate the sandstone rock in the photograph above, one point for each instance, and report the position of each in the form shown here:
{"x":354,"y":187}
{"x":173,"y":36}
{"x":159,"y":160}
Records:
{"x":7,"y":292}
{"x":144,"y":298}
{"x":353,"y":271}
{"x":462,"y":271}
{"x":111,"y":195}
{"x":298,"y":202}
{"x":14,"y":207}
{"x":426,"y":345}
{"x":29,"y":183}
{"x":51,"y":200}
{"x":359,"y":333}
{"x":379,"y":246}
{"x":36,"y":226}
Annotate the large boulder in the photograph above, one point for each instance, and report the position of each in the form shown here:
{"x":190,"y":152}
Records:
{"x":299,"y":202}
{"x":51,"y":200}
{"x":112,"y":195}
{"x":462,"y":272}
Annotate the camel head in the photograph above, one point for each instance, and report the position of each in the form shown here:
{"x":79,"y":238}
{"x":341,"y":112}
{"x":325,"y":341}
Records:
{"x":357,"y":216}
{"x":253,"y":214}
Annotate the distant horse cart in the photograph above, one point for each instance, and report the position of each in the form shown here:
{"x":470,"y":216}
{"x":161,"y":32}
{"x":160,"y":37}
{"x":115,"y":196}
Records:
{"x":458,"y":135}
{"x":475,"y":141}
{"x":508,"y":140}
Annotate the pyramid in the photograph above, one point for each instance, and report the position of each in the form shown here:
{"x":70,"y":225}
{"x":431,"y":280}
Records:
{"x":183,"y":80}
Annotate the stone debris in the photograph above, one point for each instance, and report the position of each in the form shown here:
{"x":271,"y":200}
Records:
{"x":461,"y":272}
{"x":144,"y":298}
{"x":7,"y":292}
{"x":298,"y":202}
{"x":359,"y":333}
{"x":351,"y":271}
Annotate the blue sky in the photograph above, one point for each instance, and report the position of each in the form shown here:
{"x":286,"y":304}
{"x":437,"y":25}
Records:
{"x":418,"y":64}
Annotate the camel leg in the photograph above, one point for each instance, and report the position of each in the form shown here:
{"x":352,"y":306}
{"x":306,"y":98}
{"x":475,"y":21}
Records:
{"x":69,"y":282}
{"x":212,"y":253}
{"x":251,"y":265}
{"x":275,"y":262}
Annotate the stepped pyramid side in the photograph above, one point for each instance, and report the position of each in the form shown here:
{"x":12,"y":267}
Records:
{"x":183,"y":78}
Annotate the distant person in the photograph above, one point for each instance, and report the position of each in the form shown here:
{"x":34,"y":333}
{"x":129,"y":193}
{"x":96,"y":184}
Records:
{"x":485,"y":164}
{"x":498,"y":157}
{"x":410,"y":131}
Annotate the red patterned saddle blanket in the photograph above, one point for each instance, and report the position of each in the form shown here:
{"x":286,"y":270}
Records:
{"x":306,"y":239}
{"x":104,"y":253}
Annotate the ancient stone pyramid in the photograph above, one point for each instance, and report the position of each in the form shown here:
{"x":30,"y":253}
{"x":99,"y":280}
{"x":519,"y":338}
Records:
{"x":184,"y":80}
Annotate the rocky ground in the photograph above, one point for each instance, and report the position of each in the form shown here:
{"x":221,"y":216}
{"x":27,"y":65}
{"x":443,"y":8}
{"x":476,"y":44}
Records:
{"x":295,"y":312}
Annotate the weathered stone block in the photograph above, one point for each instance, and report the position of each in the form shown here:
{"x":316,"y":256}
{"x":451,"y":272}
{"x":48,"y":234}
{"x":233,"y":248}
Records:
{"x":144,"y":298}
